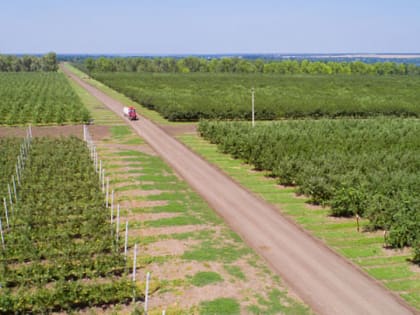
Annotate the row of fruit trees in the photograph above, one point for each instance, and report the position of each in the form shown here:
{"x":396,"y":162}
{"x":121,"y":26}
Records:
{"x":59,"y":249}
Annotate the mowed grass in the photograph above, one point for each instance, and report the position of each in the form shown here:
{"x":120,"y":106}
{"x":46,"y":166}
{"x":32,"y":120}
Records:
{"x":365,"y":249}
{"x":98,"y":111}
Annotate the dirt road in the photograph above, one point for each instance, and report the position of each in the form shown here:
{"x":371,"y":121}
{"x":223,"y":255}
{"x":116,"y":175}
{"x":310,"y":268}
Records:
{"x":323,"y":279}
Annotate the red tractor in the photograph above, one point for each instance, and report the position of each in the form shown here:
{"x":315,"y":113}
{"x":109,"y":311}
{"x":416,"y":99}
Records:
{"x":130,"y":112}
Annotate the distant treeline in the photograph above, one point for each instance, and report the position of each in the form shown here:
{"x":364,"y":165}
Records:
{"x":46,"y":63}
{"x":239,"y":65}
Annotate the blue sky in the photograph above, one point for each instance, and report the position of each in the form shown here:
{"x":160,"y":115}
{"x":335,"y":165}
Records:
{"x":186,"y":26}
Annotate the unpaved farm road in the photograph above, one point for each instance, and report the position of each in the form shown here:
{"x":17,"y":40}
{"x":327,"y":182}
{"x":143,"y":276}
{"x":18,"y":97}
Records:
{"x":323,"y":279}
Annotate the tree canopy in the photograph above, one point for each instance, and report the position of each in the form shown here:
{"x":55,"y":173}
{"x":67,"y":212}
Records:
{"x":240,"y":65}
{"x":46,"y":63}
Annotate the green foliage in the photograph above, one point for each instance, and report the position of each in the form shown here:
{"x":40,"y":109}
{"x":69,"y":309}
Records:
{"x":208,"y":251}
{"x":277,"y":302}
{"x":239,"y":65}
{"x":367,"y":167}
{"x":201,"y":279}
{"x":59,"y":249}
{"x":47,"y":63}
{"x":39,"y":98}
{"x":120,"y":131}
{"x":9,"y":148}
{"x":235,"y":271}
{"x":225,"y":306}
{"x":194,"y":96}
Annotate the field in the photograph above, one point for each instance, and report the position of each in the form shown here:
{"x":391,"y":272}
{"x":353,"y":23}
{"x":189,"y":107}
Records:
{"x":200,"y":265}
{"x":39,"y":98}
{"x":357,"y":167}
{"x":190,"y":97}
{"x":60,"y":214}
{"x":366,"y":248}
{"x":9,"y":148}
{"x":392,"y":267}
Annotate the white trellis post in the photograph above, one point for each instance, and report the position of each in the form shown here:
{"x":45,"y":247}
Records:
{"x":95,"y":159}
{"x":6,"y":213}
{"x":103,"y":180}
{"x":126,"y":240}
{"x":10,"y":199}
{"x":14,"y":187}
{"x":134,"y":271}
{"x":112,"y":206}
{"x":107,"y":192}
{"x":10,"y":193}
{"x":146,"y":296}
{"x":17,"y":175}
{"x":2,"y":236}
{"x":118,"y":224}
{"x":100,"y":171}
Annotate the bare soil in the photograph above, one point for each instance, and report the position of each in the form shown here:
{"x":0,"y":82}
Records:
{"x":170,"y":230}
{"x":43,"y":131}
{"x":179,"y":130}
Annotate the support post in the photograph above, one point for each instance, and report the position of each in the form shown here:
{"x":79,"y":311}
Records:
{"x":2,"y":236}
{"x":6,"y":213}
{"x":126,"y":240}
{"x":14,"y":187}
{"x":134,"y":272}
{"x":146,"y":295}
{"x":112,"y":206}
{"x":10,"y":193}
{"x":103,"y":180}
{"x":17,"y":175}
{"x":107,"y":192}
{"x":118,"y":225}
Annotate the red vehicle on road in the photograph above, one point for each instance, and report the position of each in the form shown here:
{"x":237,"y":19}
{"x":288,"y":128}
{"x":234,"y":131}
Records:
{"x":130,"y":112}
